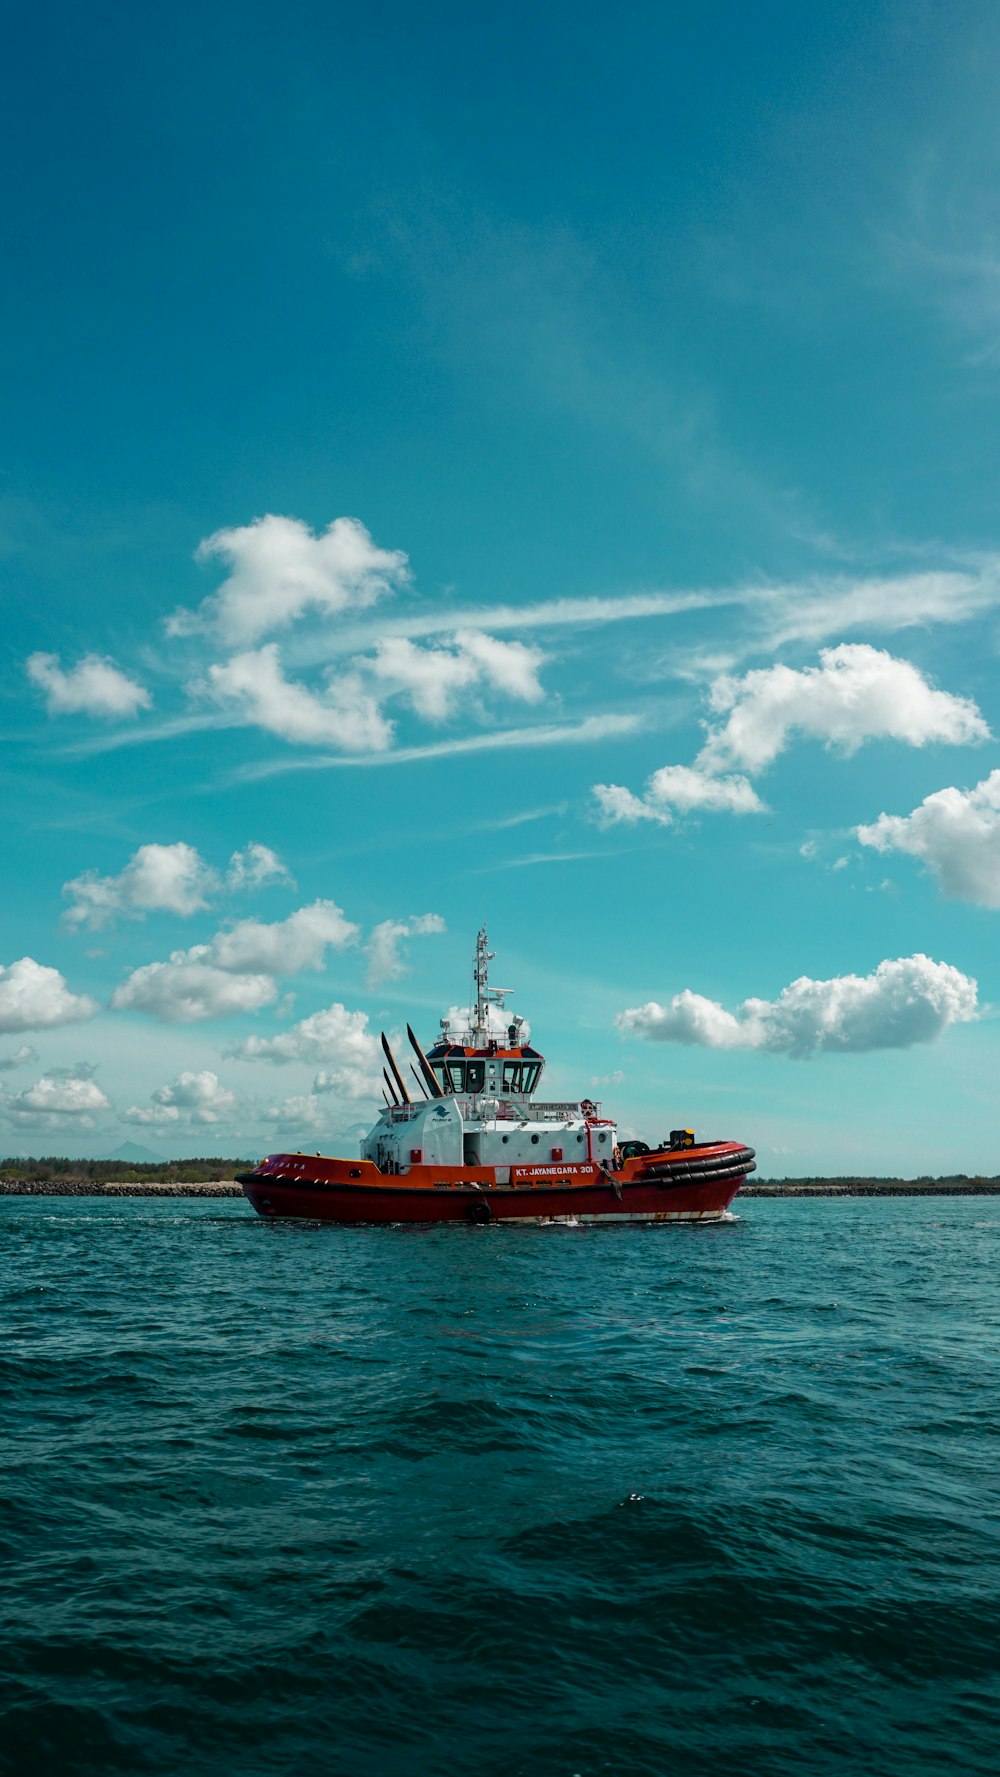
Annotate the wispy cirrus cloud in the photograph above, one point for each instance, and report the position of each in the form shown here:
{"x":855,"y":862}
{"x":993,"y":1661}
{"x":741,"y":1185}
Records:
{"x":543,"y":734}
{"x":385,"y":948}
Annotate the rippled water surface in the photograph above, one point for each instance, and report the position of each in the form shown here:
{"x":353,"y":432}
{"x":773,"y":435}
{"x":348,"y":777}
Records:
{"x":281,"y":1498}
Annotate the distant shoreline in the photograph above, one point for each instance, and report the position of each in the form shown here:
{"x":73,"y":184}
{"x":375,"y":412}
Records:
{"x":856,"y":1187}
{"x":831,"y":1187}
{"x":75,"y":1187}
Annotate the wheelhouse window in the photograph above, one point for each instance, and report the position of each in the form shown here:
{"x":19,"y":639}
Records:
{"x":461,"y":1075}
{"x":520,"y":1076}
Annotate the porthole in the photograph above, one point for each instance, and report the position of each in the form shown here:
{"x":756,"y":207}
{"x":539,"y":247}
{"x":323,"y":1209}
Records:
{"x":603,"y":1135}
{"x":534,"y":1138}
{"x":505,"y":1138}
{"x":579,"y":1138}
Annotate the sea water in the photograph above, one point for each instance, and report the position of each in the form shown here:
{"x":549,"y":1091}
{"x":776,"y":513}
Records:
{"x":541,"y":1501}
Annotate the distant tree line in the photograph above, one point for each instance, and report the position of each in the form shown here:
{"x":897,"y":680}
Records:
{"x":119,"y":1172}
{"x":852,"y":1178}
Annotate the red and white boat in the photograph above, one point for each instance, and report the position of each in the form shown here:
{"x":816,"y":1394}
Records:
{"x":468,"y":1141}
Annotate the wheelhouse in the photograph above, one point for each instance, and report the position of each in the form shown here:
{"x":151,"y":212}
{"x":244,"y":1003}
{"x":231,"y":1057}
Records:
{"x":500,"y":1073}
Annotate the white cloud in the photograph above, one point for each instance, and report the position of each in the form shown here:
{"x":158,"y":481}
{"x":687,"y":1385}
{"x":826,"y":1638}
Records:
{"x":543,"y":734}
{"x":344,"y":715}
{"x":285,"y":946}
{"x":430,"y":677}
{"x":904,"y":1001}
{"x":384,"y":949}
{"x":459,"y":1019}
{"x":157,"y":878}
{"x":812,"y":611}
{"x":280,"y":570}
{"x":683,"y":788}
{"x":34,"y":997}
{"x":335,"y":1040}
{"x":55,"y":1097}
{"x":257,"y":866}
{"x":302,"y":1111}
{"x":198,"y":1099}
{"x":190,"y":987}
{"x":511,"y":667}
{"x":617,"y":806}
{"x":94,"y":687}
{"x":857,"y":693}
{"x":22,"y":1057}
{"x":956,"y":833}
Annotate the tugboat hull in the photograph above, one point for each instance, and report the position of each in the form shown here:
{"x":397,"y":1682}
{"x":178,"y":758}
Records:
{"x":696,"y":1185}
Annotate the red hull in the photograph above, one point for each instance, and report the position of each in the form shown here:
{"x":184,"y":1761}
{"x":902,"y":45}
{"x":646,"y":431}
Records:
{"x":693,"y":1185}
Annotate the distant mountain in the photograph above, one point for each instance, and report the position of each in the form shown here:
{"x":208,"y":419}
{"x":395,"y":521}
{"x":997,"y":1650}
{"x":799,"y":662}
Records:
{"x":135,"y":1155}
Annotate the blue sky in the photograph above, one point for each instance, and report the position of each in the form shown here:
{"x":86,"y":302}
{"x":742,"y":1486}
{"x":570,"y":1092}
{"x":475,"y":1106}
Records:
{"x":537,"y":468}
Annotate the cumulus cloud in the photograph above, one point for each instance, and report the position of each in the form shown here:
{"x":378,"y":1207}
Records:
{"x":157,"y":878}
{"x":385,"y":948}
{"x":302,"y":1111}
{"x":904,"y":1001}
{"x":857,"y":693}
{"x":94,"y":687}
{"x":956,"y":834}
{"x":344,"y":714}
{"x":430,"y":677}
{"x":336,"y":1041}
{"x":190,"y":987}
{"x":22,"y":1057}
{"x":284,"y":946}
{"x":681,"y":788}
{"x":280,"y":570}
{"x":460,"y":1019}
{"x":167,"y":879}
{"x":257,"y":866}
{"x":34,"y":997}
{"x":434,"y":678}
{"x":199,"y":1099}
{"x":65,"y":1094}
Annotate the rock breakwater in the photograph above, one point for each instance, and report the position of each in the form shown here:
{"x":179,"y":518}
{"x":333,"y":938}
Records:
{"x":859,"y":1187}
{"x":84,"y":1187}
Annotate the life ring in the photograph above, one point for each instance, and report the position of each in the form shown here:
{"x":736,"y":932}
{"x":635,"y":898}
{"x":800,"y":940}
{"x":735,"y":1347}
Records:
{"x":588,"y":1107}
{"x":480,"y":1212}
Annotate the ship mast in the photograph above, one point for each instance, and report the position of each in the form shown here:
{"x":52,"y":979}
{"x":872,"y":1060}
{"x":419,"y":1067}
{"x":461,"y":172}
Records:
{"x":486,"y":996}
